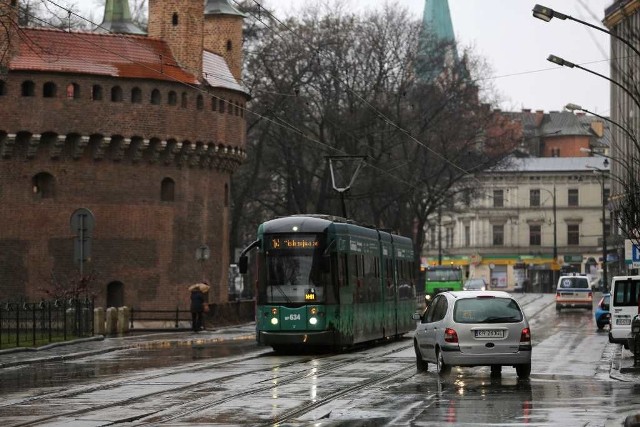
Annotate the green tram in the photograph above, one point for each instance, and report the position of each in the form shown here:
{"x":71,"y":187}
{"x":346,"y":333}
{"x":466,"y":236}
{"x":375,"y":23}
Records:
{"x":441,"y":278}
{"x":325,"y":282}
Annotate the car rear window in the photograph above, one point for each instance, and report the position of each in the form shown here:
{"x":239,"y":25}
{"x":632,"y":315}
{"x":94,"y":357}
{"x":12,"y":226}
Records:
{"x":625,"y":293}
{"x":574,"y":282}
{"x":487,"y":310}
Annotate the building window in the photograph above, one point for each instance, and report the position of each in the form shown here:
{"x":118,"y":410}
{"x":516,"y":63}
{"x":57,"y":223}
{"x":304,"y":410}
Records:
{"x":174,"y":19}
{"x":448,"y":237}
{"x":173,"y":98}
{"x":230,"y":108}
{"x":156,"y":98}
{"x":43,"y":185}
{"x":167,"y":190}
{"x":432,"y":236}
{"x":28,"y":88}
{"x":214,"y":104}
{"x":221,"y":106}
{"x":605,"y":198}
{"x":3,"y":88}
{"x":572,"y":197}
{"x":73,"y":91}
{"x":535,"y":235}
{"x":96,"y":93}
{"x":199,"y":102}
{"x":136,"y":95}
{"x":116,"y":94}
{"x":498,"y":235}
{"x":467,"y":236}
{"x":49,"y":90}
{"x":534,"y":198}
{"x":229,"y":45}
{"x":573,"y":234}
{"x":498,"y":198}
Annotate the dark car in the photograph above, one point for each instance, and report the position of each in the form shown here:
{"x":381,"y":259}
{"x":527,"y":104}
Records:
{"x":602,"y":314}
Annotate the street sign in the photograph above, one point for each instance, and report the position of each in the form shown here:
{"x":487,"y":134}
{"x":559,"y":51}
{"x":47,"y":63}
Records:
{"x":631,"y":254}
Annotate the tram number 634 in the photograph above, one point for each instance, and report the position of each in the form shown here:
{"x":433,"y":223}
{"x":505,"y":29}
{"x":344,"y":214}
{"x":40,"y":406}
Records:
{"x":292,"y":317}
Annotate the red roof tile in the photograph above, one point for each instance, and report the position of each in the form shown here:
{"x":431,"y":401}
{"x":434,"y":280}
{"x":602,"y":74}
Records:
{"x":114,"y":55}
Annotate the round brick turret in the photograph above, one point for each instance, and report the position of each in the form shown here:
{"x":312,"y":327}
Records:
{"x":116,"y":125}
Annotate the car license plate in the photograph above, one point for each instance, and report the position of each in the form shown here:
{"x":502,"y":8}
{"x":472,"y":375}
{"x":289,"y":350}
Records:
{"x":489,"y":333}
{"x":623,"y":321}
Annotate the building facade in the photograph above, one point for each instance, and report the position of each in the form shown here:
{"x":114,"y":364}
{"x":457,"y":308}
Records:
{"x":137,"y":134}
{"x":534,"y":215}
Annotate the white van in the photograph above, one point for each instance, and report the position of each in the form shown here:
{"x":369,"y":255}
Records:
{"x":623,"y":307}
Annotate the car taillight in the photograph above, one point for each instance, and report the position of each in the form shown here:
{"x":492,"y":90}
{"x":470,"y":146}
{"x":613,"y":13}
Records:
{"x":591,"y":295}
{"x":557,"y":295}
{"x":450,"y":335}
{"x":525,"y":335}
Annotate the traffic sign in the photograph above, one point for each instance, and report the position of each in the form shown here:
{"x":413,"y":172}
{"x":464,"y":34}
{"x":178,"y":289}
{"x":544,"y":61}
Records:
{"x":631,"y":254}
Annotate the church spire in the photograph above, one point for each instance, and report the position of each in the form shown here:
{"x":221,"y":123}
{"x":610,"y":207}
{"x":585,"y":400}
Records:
{"x":436,"y":20}
{"x":117,"y":19}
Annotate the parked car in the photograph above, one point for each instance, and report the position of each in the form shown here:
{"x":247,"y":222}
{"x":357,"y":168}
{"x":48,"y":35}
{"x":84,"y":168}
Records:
{"x":573,"y":291}
{"x":623,"y":306}
{"x":473,"y":328}
{"x":602,"y":314}
{"x":475,"y":285}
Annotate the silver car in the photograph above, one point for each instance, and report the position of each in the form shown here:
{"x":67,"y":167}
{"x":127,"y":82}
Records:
{"x":473,"y":328}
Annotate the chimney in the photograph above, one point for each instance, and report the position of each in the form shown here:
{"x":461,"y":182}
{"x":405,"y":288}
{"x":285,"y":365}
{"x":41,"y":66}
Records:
{"x":539,"y":117}
{"x":598,"y":128}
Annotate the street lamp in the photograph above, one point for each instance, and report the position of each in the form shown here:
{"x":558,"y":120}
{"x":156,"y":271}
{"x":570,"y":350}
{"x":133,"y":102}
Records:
{"x":564,"y":63}
{"x":575,"y":107}
{"x":546,"y":14}
{"x":601,"y":172}
{"x":555,"y":233}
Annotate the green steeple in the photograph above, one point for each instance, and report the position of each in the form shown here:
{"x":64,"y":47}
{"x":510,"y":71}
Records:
{"x":117,"y":19}
{"x":436,"y":20}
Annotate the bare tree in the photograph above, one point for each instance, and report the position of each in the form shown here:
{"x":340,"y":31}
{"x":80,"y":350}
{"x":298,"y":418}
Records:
{"x":336,"y":83}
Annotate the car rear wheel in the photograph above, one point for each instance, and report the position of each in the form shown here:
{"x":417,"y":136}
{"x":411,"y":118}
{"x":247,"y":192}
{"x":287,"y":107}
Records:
{"x":443,"y":368}
{"x":421,"y":365}
{"x":523,"y":370}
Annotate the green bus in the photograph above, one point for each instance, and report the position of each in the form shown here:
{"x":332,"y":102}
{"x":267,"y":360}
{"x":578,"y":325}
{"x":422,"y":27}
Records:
{"x":440,"y":278}
{"x":326,"y":282}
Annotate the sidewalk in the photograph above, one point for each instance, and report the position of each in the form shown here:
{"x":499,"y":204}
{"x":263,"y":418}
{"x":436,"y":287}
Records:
{"x":99,"y":344}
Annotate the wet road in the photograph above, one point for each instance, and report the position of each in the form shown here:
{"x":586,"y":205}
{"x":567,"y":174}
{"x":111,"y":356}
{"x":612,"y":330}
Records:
{"x":238,"y":383}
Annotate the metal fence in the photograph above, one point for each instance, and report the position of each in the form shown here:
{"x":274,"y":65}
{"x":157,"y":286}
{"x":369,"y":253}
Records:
{"x":34,"y":324}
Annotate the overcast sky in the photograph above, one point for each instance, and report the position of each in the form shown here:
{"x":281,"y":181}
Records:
{"x":515,"y":45}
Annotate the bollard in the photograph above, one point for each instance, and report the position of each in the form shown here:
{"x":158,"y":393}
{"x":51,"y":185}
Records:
{"x":111,"y":321}
{"x":635,"y":340}
{"x":124,"y":315}
{"x":98,"y":321}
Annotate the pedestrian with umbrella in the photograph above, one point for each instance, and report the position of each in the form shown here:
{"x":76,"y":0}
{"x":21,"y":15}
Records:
{"x":198,"y":304}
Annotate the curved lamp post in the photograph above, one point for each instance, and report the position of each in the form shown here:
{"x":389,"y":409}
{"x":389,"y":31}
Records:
{"x":546,"y":14}
{"x":564,"y":63}
{"x":602,"y":172}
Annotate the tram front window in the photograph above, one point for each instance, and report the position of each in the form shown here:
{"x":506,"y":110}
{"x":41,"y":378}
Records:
{"x":293,"y":278}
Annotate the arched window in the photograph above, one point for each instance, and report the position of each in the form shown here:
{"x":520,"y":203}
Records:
{"x":43,"y":185}
{"x":174,"y":19}
{"x":167,"y":190}
{"x":96,"y":93}
{"x":73,"y":91}
{"x":229,"y":45}
{"x":200,"y":102}
{"x":184,"y":99}
{"x":136,"y":95}
{"x":49,"y":90}
{"x":173,"y":98}
{"x":115,"y":294}
{"x":221,"y":105}
{"x":214,"y":104}
{"x":28,"y":88}
{"x":156,"y":98}
{"x":3,"y":88}
{"x":116,"y":94}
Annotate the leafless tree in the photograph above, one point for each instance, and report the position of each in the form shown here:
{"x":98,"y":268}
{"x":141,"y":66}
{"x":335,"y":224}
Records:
{"x":335,"y":83}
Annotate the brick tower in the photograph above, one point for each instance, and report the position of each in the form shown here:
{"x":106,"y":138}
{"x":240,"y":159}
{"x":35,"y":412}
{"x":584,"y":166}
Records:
{"x":142,"y":131}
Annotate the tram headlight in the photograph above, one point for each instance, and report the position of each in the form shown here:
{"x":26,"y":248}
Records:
{"x":274,"y":320}
{"x":313,"y":320}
